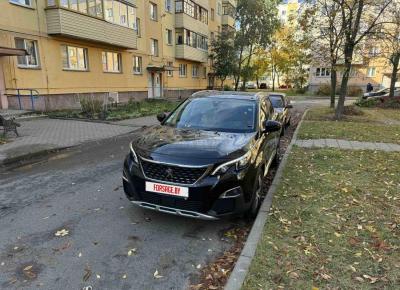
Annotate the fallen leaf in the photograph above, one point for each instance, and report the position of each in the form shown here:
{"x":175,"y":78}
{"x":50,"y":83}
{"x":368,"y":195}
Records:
{"x":157,"y":275}
{"x":198,"y":266}
{"x":87,"y":274}
{"x":359,"y":279}
{"x":131,"y":252}
{"x":80,"y":255}
{"x":61,"y":233}
{"x":293,"y":275}
{"x":28,"y":268}
{"x":98,"y":276}
{"x":124,"y":276}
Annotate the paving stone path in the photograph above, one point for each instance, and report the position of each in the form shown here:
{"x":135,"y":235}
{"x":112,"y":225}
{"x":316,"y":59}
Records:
{"x":350,"y":145}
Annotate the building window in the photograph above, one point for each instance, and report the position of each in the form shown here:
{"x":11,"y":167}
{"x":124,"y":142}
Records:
{"x":95,"y":8}
{"x":219,"y":8}
{"x":168,"y":36}
{"x":22,"y":2}
{"x":192,"y":9}
{"x":154,"y":47}
{"x":74,"y":58}
{"x":170,"y":72}
{"x":322,"y":72}
{"x":195,"y":71}
{"x":117,"y":12}
{"x":204,"y":72}
{"x":137,"y":65}
{"x":371,"y":72}
{"x":153,"y":11}
{"x":168,"y":6}
{"x":111,"y":62}
{"x":31,"y":46}
{"x":374,"y":51}
{"x":212,"y":14}
{"x":190,"y":38}
{"x":183,"y":70}
{"x":138,"y":27}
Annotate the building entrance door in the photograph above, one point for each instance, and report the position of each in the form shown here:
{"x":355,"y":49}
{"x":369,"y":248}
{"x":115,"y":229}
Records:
{"x":156,"y":86}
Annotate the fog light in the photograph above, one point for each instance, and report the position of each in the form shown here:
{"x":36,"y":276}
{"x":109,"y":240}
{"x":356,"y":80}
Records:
{"x":232,"y":193}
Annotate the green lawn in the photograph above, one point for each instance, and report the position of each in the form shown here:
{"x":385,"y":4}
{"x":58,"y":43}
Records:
{"x":334,"y":224}
{"x":361,"y":125}
{"x":352,"y":131}
{"x":125,"y":111}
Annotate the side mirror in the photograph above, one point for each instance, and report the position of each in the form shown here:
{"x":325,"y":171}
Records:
{"x":289,"y":106}
{"x":161,"y":117}
{"x":272,"y":126}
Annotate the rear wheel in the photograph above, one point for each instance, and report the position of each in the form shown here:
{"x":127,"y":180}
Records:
{"x":257,"y":192}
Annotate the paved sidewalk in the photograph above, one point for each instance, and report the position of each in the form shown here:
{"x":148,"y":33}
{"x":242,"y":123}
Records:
{"x":344,"y":144}
{"x":50,"y":134}
{"x":138,"y":122}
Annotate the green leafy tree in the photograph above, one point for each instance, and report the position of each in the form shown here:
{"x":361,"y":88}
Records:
{"x":257,"y":22}
{"x":224,"y":55}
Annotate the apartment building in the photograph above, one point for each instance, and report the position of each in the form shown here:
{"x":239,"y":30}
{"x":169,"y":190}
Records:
{"x":52,"y":52}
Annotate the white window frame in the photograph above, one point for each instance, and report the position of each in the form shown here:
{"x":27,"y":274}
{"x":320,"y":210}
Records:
{"x":36,"y":48}
{"x":113,"y":53}
{"x":153,"y":11}
{"x":137,"y":65}
{"x":183,"y":70}
{"x":154,"y":47}
{"x":371,"y":72}
{"x":17,"y":2}
{"x":168,"y":6}
{"x":170,"y":73}
{"x":169,"y":36}
{"x":195,"y":71}
{"x":85,"y":55}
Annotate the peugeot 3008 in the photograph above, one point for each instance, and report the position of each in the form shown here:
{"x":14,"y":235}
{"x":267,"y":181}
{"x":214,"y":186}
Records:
{"x":206,"y":159}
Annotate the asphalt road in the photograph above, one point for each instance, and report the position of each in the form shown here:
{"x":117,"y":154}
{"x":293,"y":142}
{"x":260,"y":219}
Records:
{"x":108,"y":243}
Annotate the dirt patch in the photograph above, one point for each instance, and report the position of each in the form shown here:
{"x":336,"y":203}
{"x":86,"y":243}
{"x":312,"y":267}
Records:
{"x":217,"y":272}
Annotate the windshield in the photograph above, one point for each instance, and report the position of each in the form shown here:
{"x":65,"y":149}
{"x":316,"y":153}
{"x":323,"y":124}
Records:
{"x":215,"y":114}
{"x":276,"y":101}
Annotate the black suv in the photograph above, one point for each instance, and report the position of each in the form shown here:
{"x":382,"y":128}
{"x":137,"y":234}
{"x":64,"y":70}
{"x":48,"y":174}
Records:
{"x":206,"y":159}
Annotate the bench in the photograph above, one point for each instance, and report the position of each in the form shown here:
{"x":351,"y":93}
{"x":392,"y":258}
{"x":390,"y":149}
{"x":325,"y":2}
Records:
{"x":9,"y":125}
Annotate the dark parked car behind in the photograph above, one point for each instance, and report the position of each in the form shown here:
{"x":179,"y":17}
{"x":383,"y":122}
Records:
{"x":206,"y":159}
{"x":282,"y":108}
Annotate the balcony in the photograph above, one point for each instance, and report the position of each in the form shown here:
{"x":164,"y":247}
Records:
{"x":190,"y":53}
{"x":72,"y":24}
{"x":228,"y":20}
{"x":183,"y":20}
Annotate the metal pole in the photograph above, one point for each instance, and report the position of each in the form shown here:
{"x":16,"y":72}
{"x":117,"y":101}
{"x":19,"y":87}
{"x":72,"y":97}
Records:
{"x":32,"y":101}
{"x":19,"y":100}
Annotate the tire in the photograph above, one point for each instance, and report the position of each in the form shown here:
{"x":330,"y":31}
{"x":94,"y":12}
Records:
{"x":276,"y":160}
{"x":256,"y":196}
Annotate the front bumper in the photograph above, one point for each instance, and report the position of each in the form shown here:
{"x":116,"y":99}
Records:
{"x":210,"y":198}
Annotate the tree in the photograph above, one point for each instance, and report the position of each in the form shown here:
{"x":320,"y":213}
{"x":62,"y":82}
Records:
{"x":323,"y":19}
{"x":257,"y":21}
{"x":390,"y":36}
{"x":260,"y":64}
{"x":224,"y":55}
{"x":358,"y":19}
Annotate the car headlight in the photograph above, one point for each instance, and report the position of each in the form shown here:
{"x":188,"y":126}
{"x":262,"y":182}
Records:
{"x":133,"y":154}
{"x":239,"y":163}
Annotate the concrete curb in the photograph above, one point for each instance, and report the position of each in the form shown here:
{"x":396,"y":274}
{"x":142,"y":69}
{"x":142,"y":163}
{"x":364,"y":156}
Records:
{"x":242,"y":266}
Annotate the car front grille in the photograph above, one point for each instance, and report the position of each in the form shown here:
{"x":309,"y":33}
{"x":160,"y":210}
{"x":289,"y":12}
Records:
{"x":171,"y":173}
{"x":173,"y":202}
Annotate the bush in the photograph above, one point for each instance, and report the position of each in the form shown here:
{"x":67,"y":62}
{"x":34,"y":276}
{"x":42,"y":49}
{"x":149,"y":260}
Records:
{"x":355,"y":92}
{"x":367,"y":103}
{"x":91,"y":107}
{"x":390,"y":103}
{"x":324,"y":90}
{"x":228,"y":88}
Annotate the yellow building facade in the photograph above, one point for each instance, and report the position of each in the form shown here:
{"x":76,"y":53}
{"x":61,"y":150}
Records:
{"x":52,"y":52}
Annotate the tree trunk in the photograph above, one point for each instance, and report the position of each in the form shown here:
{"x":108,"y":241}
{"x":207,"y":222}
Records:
{"x":395,"y":69}
{"x":258,"y":82}
{"x":245,"y":79}
{"x":239,"y":71}
{"x":343,"y":91}
{"x":333,"y":86}
{"x":273,"y":78}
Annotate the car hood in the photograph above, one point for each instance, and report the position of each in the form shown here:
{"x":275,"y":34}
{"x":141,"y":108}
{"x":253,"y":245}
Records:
{"x":190,"y":147}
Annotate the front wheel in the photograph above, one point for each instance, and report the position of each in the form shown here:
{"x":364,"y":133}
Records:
{"x":257,"y":192}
